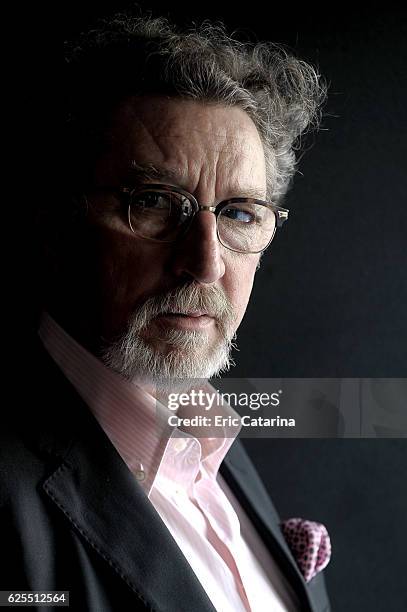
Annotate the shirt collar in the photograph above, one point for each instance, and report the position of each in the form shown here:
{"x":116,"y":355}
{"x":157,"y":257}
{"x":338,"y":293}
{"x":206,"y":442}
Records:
{"x":135,"y":422}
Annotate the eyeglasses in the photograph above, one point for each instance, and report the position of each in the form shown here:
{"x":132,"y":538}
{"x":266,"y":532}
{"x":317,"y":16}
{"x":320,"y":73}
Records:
{"x":164,"y":213}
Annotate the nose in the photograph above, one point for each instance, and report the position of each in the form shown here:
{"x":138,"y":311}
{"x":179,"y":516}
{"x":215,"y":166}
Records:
{"x":199,"y":255}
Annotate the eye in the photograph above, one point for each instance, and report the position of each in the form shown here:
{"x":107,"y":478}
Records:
{"x":152,"y":200}
{"x":241,"y":215}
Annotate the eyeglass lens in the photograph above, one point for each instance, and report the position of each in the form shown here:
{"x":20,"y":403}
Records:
{"x":163,"y":215}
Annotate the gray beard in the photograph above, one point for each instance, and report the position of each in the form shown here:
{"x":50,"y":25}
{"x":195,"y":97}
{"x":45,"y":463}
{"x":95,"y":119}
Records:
{"x":188,"y":355}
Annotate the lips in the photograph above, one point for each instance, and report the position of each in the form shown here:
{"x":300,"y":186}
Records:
{"x":190,"y":320}
{"x":195,"y":313}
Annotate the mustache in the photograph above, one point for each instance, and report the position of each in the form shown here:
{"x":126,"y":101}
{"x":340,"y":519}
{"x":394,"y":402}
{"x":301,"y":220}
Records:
{"x":188,"y":298}
{"x":191,"y":354}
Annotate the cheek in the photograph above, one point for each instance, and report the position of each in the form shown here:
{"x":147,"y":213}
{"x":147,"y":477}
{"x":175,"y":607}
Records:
{"x":127,"y":269}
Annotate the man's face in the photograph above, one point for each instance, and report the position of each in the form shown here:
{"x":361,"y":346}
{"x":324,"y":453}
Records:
{"x":214,"y":153}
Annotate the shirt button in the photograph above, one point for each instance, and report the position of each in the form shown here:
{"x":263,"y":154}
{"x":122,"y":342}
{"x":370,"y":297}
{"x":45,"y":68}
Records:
{"x":140,"y":475}
{"x":180,"y":444}
{"x":139,"y":472}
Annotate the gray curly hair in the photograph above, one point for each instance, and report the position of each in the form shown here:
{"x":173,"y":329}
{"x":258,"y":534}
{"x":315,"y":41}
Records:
{"x":129,"y":55}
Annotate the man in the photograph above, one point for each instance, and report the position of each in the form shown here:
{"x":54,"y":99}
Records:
{"x":178,"y":151}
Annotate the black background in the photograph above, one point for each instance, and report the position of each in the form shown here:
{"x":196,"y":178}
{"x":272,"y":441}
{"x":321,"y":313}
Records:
{"x":330,"y":297}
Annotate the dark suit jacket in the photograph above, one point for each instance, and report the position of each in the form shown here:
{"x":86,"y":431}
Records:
{"x":74,"y":518}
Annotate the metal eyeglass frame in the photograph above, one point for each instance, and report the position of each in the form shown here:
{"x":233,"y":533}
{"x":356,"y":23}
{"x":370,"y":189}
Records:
{"x":127,"y":193}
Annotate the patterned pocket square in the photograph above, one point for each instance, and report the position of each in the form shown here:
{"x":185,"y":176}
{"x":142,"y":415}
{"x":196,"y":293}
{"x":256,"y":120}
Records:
{"x":310,"y":544}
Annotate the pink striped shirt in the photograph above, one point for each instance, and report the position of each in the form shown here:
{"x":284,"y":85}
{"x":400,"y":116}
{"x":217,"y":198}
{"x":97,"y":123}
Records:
{"x":179,"y":474}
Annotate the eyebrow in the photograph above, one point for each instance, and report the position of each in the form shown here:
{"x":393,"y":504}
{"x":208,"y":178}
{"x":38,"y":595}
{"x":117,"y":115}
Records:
{"x":150,"y":172}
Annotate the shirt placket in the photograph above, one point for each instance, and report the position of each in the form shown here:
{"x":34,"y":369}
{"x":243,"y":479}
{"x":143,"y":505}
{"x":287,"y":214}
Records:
{"x":182,"y":470}
{"x":224,"y":524}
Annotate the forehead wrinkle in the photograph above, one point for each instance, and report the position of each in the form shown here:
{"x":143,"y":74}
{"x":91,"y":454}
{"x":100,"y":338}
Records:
{"x":213,"y":170}
{"x":153,"y":172}
{"x":241,"y":173}
{"x":175,"y":175}
{"x":208,"y":164}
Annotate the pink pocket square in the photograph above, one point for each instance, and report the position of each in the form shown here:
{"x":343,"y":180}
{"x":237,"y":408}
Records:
{"x":310,"y":544}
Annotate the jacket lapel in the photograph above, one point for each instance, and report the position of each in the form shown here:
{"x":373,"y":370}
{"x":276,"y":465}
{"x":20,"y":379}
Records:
{"x":246,"y":485}
{"x":105,"y":505}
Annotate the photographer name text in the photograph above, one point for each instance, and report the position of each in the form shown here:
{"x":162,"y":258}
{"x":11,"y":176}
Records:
{"x":229,"y":421}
